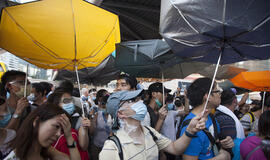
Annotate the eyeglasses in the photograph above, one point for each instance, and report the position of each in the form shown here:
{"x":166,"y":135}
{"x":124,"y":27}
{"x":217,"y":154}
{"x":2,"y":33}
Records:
{"x":67,"y":100}
{"x":20,"y":82}
{"x":216,"y":91}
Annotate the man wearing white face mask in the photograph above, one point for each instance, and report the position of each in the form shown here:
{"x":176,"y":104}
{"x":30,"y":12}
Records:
{"x":133,"y":141}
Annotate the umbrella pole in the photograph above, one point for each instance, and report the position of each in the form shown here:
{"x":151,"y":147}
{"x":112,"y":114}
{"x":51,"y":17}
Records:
{"x":25,"y":83}
{"x":163,"y":96}
{"x":78,"y":80}
{"x":263,"y":101}
{"x":213,"y":81}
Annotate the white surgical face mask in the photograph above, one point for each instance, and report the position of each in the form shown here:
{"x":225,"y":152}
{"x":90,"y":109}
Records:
{"x":140,"y":109}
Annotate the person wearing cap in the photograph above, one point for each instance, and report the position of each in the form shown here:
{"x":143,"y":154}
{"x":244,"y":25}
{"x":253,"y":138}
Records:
{"x":126,"y":82}
{"x":156,"y":111}
{"x":135,"y":141}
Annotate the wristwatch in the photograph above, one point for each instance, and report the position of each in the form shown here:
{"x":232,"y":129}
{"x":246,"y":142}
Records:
{"x":15,"y":116}
{"x":73,"y":145}
{"x":190,"y":135}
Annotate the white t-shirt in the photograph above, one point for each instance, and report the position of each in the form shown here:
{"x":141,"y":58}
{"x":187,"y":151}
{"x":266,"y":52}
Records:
{"x":168,"y":128}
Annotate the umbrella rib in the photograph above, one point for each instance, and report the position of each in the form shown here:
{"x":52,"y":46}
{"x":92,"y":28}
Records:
{"x":41,"y":46}
{"x":103,"y":45}
{"x":182,"y":15}
{"x":239,"y":53}
{"x":74,"y":30}
{"x":54,"y":55}
{"x":251,"y":44}
{"x":192,"y":44}
{"x":266,"y":19}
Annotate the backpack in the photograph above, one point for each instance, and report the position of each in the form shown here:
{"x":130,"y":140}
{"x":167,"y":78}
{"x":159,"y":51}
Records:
{"x":116,"y":140}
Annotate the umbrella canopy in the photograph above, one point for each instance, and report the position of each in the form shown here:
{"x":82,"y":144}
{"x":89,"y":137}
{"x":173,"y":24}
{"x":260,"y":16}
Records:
{"x":224,"y":72}
{"x":203,"y":29}
{"x":255,"y":81}
{"x":151,"y":58}
{"x":100,"y":75}
{"x":59,"y":34}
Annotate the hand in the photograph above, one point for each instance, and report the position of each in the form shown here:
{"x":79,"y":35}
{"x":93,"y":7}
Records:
{"x":227,"y":142}
{"x":65,"y":124}
{"x":197,"y":123}
{"x":86,"y":123}
{"x":21,"y":105}
{"x":162,"y":112}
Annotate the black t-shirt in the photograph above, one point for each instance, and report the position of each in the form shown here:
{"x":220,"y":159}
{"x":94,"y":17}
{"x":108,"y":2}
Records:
{"x":153,"y":116}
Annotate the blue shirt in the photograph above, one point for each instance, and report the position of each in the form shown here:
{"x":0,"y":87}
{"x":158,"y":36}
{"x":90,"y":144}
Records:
{"x":200,"y":146}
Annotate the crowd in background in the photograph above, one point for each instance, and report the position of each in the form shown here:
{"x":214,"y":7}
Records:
{"x":41,"y":121}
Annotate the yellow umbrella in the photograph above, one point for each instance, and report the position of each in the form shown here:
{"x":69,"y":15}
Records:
{"x":59,"y":34}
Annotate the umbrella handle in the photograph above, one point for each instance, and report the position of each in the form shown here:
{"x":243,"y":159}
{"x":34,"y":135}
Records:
{"x":263,"y":101}
{"x":78,"y":80}
{"x":163,"y":96}
{"x":213,"y":81}
{"x":25,"y":83}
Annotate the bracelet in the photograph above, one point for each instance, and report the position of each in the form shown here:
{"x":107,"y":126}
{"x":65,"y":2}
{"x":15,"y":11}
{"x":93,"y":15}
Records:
{"x":190,"y":135}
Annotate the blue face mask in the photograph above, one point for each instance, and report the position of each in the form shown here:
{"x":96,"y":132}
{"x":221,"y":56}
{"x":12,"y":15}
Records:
{"x":103,"y":110}
{"x":8,"y":95}
{"x":94,"y":98}
{"x":170,"y":106}
{"x":5,"y":120}
{"x":84,"y":98}
{"x":140,"y":109}
{"x":158,"y":103}
{"x":69,"y":107}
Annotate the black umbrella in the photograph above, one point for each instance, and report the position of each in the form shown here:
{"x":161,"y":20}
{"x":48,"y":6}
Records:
{"x":151,"y":59}
{"x":100,"y":75}
{"x":217,"y":31}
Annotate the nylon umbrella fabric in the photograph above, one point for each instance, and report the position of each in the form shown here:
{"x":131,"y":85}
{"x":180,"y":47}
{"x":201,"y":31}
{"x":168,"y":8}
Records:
{"x":224,"y":72}
{"x":100,"y":75}
{"x":151,"y":58}
{"x":254,"y":81}
{"x":59,"y":34}
{"x":203,"y":29}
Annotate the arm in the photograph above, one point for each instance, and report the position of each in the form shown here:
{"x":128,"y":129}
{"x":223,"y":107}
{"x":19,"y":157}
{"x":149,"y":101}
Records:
{"x":15,"y":122}
{"x":179,"y":146}
{"x":93,"y":120}
{"x":65,"y":124}
{"x":83,"y":134}
{"x":243,"y":99}
{"x":162,"y":115}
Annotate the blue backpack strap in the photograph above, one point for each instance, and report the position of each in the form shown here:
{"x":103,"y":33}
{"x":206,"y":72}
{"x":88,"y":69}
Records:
{"x":116,"y":140}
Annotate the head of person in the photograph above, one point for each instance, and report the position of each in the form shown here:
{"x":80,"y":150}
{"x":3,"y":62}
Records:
{"x":41,"y":127}
{"x":37,"y":93}
{"x":67,"y":85}
{"x":47,"y":87}
{"x":244,"y":108}
{"x":198,"y":91}
{"x":101,"y":93}
{"x":93,"y":94}
{"x":228,"y":99}
{"x":264,"y":132}
{"x":127,"y":108}
{"x":102,"y":104}
{"x":179,"y":103}
{"x":85,"y":93}
{"x":169,"y":102}
{"x":14,"y":82}
{"x":256,"y":106}
{"x":63,"y":99}
{"x":155,"y":92}
{"x":126,"y":82}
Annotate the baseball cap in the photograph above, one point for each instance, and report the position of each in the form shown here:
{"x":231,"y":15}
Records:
{"x":116,"y":98}
{"x":157,"y":87}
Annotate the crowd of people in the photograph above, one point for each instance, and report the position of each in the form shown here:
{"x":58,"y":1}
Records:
{"x":43,"y":121}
